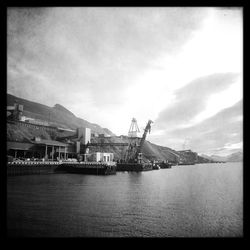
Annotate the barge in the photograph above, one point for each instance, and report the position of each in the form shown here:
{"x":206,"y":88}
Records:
{"x":186,"y":163}
{"x":95,"y":168}
{"x":137,"y":167}
{"x":133,"y":160}
{"x":165,"y":165}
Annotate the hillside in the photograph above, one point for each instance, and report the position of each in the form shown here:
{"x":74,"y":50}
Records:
{"x":214,"y":158}
{"x":61,"y":117}
{"x":56,"y":116}
{"x":150,"y":151}
{"x":24,"y":134}
{"x":218,"y":158}
{"x":234,"y":157}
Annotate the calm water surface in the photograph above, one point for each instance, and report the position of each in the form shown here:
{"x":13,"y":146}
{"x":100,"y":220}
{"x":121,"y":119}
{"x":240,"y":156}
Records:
{"x":186,"y":201}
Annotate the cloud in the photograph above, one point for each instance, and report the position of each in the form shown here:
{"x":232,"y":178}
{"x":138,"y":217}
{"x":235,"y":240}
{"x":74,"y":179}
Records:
{"x":219,"y":133}
{"x":90,"y":60}
{"x":99,"y":50}
{"x":191,"y":99}
{"x":227,"y":149}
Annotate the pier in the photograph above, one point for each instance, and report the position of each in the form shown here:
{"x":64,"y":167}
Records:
{"x":27,"y":168}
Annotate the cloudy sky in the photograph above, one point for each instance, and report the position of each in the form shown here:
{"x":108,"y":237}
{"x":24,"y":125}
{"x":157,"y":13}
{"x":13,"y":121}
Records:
{"x":180,"y":67}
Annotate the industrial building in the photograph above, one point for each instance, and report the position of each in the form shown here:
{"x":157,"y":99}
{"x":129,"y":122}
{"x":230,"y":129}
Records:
{"x":68,"y":144}
{"x":69,"y":147}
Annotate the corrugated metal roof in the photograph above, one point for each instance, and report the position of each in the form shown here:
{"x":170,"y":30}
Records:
{"x":19,"y":145}
{"x":50,"y":142}
{"x":28,"y":146}
{"x":67,"y":135}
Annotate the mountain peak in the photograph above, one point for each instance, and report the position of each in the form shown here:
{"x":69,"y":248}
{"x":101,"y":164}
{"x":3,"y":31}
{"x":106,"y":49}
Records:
{"x":57,"y":116}
{"x":63,"y":109}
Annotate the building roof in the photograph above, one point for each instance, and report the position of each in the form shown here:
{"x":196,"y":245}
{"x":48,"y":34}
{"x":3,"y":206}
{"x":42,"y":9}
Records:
{"x":50,"y":143}
{"x":67,"y":135}
{"x":28,"y":146}
{"x":19,"y":145}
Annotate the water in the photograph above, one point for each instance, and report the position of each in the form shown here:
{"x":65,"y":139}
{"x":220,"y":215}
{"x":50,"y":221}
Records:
{"x":203,"y":200}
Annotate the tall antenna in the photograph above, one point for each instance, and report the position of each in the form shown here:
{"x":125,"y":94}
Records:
{"x":133,"y":130}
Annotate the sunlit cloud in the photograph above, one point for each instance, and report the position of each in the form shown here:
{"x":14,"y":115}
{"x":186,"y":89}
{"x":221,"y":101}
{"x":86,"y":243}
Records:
{"x":191,"y":100}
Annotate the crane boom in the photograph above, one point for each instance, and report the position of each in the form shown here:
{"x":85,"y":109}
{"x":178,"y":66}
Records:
{"x":146,"y":130}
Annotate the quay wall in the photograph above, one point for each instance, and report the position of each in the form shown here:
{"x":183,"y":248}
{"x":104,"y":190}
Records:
{"x":28,"y":168}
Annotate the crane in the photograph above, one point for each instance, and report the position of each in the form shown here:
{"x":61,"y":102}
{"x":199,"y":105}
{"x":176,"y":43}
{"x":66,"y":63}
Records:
{"x":134,"y":151}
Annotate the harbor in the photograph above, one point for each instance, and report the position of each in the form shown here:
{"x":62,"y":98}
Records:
{"x":124,"y":122}
{"x":83,"y":150}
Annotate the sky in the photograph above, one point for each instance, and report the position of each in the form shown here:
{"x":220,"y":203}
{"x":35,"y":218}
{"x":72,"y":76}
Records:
{"x":181,"y":67}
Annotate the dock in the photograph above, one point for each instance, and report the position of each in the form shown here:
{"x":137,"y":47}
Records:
{"x":28,"y":168}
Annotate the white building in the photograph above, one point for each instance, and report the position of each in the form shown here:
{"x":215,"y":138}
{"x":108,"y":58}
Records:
{"x":102,"y":157}
{"x":84,"y":134}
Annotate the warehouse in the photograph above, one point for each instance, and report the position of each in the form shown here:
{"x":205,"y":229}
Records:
{"x":41,"y":149}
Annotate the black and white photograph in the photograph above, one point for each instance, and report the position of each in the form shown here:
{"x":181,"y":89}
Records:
{"x":124,"y":122}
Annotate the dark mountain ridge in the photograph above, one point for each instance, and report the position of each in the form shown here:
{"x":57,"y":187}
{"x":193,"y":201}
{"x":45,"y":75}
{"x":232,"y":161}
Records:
{"x":56,"y":116}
